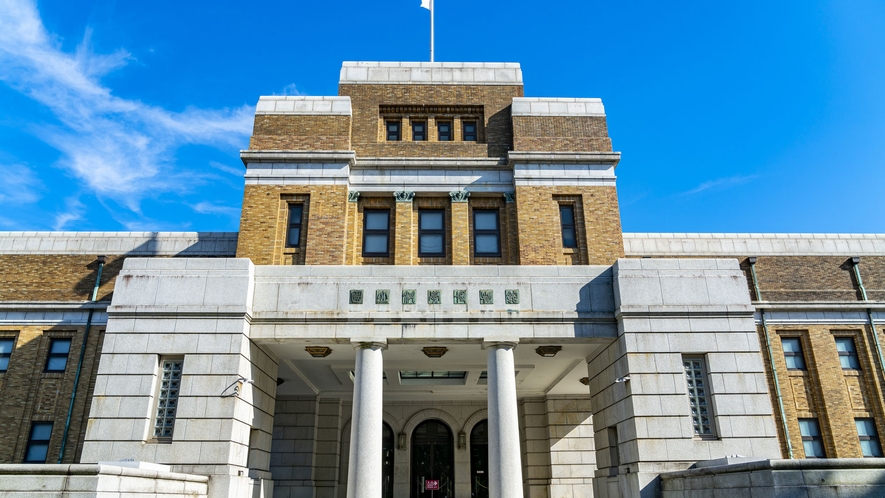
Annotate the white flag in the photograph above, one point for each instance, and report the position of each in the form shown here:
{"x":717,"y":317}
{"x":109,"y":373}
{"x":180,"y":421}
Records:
{"x":425,"y":4}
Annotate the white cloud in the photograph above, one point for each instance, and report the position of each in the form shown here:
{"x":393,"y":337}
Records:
{"x":209,"y":208}
{"x":722,"y":183}
{"x":119,"y":148}
{"x":19,"y":185}
{"x":74,"y":210}
{"x":291,"y":89}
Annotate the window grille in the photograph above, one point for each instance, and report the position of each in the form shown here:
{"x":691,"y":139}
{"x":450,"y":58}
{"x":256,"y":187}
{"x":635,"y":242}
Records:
{"x":696,"y":382}
{"x":167,"y":401}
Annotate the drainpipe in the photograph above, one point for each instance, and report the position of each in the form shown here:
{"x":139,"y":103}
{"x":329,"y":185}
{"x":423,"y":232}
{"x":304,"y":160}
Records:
{"x":777,"y":385}
{"x":64,"y":438}
{"x":855,"y":261}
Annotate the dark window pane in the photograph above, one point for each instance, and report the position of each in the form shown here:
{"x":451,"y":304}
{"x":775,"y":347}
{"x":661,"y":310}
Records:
{"x":294,"y":237}
{"x":41,"y":432}
{"x":445,"y":132}
{"x":847,"y":353}
{"x":37,"y":453}
{"x":393,"y":130}
{"x":56,"y":364}
{"x":60,"y":346}
{"x":432,"y":220}
{"x":375,"y":244}
{"x":4,"y":363}
{"x":568,"y":215}
{"x":376,"y":220}
{"x":431,"y":244}
{"x":418,"y":131}
{"x":6,"y":346}
{"x":469,"y":132}
{"x":486,"y":244}
{"x":487,"y":220}
{"x":568,"y":237}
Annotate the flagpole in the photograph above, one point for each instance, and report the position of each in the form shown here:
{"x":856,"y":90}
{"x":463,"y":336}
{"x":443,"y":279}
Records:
{"x":431,"y":30}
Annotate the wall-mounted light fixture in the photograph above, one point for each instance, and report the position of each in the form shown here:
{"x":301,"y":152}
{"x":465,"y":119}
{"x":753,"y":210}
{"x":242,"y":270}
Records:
{"x":435,"y":352}
{"x":548,"y":351}
{"x":318,"y":351}
{"x":585,"y":381}
{"x":462,"y":440}
{"x":625,"y":378}
{"x":401,"y":441}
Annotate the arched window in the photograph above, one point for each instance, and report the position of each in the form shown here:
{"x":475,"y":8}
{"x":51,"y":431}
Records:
{"x":479,"y":460}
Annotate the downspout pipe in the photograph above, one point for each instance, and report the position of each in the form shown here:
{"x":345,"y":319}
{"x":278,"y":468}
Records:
{"x":64,"y":438}
{"x":777,"y":385}
{"x":855,"y":262}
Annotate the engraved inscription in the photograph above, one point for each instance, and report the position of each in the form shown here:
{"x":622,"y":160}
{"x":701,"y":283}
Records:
{"x":460,"y":296}
{"x":356,"y":296}
{"x":434,"y":297}
{"x":382,"y":296}
{"x":511,"y":296}
{"x":409,"y":296}
{"x":486,"y":296}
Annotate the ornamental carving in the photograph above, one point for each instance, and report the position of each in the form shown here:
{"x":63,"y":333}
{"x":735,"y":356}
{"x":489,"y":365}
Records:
{"x":459,"y":195}
{"x":353,"y":196}
{"x":409,"y":296}
{"x":509,"y":197}
{"x":404,"y":196}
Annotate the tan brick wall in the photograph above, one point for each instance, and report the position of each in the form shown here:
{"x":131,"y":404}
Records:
{"x":461,"y":233}
{"x":48,"y":277}
{"x":31,"y":395}
{"x":264,"y":220}
{"x":367,"y":136}
{"x":300,"y":132}
{"x":561,"y":134}
{"x":509,"y":252}
{"x":835,"y":397}
{"x":804,"y":278}
{"x":540,"y":236}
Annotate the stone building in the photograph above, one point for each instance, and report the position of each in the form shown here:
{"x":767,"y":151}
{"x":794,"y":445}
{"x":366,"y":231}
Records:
{"x":430,"y":295}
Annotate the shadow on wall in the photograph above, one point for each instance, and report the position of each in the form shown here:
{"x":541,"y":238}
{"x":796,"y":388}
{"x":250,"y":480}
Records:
{"x":595,"y":308}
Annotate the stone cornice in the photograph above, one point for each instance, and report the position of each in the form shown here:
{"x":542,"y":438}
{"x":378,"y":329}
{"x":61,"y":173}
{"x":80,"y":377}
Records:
{"x":563,"y":157}
{"x":298,"y":156}
{"x":468,"y":163}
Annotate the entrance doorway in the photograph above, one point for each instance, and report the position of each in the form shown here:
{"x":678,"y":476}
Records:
{"x":433,"y":458}
{"x":479,"y":460}
{"x":387,"y":461}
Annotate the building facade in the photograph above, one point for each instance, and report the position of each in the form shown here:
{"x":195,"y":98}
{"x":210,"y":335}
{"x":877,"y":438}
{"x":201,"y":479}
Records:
{"x":430,"y":295}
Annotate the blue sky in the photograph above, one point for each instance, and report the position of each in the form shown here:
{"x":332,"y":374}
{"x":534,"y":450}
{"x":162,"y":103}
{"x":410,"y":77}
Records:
{"x":731,"y":117}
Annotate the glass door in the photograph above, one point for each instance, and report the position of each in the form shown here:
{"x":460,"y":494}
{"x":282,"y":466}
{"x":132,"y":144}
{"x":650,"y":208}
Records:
{"x":432,"y":459}
{"x":479,"y":460}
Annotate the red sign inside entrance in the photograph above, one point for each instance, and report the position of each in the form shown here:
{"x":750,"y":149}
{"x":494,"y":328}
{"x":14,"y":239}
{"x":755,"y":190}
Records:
{"x":431,"y":485}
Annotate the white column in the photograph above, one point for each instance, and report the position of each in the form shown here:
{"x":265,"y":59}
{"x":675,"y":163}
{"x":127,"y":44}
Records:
{"x":364,"y":471}
{"x":505,"y":467}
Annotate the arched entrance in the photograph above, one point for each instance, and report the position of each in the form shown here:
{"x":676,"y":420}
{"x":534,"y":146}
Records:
{"x":433,"y":457}
{"x":387,"y":451}
{"x":479,"y":460}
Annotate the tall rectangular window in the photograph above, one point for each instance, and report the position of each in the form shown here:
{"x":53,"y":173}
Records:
{"x":811,"y":439}
{"x":38,"y":442}
{"x":567,"y":219}
{"x":486,"y":233}
{"x":431,"y":233}
{"x":6,"y":347}
{"x":393,"y":130}
{"x":57,"y":359}
{"x":419,"y":131}
{"x":869,"y":437}
{"x":469,"y":131}
{"x":376,"y":232}
{"x":444,"y":131}
{"x":793,"y":356}
{"x":167,"y":398}
{"x":293,"y":236}
{"x":696,"y":383}
{"x":847,"y":353}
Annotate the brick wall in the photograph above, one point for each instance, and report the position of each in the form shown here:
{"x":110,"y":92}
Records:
{"x":45,"y":277}
{"x":561,"y":134}
{"x":540,"y":237}
{"x":495,"y":100}
{"x":300,"y":132}
{"x":264,"y":221}
{"x":31,"y":395}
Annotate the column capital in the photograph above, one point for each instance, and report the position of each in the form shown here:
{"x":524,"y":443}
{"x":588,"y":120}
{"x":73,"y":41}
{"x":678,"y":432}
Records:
{"x":369,"y":343}
{"x":353,"y":196}
{"x":404,"y":196}
{"x":496,"y":343}
{"x":459,"y":195}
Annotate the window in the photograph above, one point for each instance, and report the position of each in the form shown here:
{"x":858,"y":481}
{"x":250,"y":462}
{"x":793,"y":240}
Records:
{"x":376,"y":232}
{"x":293,"y":237}
{"x":38,"y":442}
{"x":393,"y":131}
{"x":811,"y":440}
{"x":419,"y":131}
{"x":486,"y":233}
{"x":793,"y":353}
{"x":567,"y":218}
{"x":469,"y":131}
{"x":696,"y":382}
{"x":446,"y":374}
{"x":847,"y":353}
{"x":444,"y":129}
{"x":431,"y":233}
{"x":869,"y":438}
{"x":167,"y":399}
{"x":57,"y":360}
{"x":6,"y":346}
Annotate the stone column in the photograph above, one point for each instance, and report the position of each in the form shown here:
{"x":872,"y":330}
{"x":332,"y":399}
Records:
{"x":460,"y":227}
{"x":402,"y":246}
{"x":364,"y":470}
{"x":505,"y":467}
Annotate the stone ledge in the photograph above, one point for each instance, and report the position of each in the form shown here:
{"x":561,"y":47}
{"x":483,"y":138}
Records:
{"x":297,"y":156}
{"x":94,"y":469}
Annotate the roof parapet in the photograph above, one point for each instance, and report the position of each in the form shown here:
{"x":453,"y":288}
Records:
{"x":431,"y":73}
